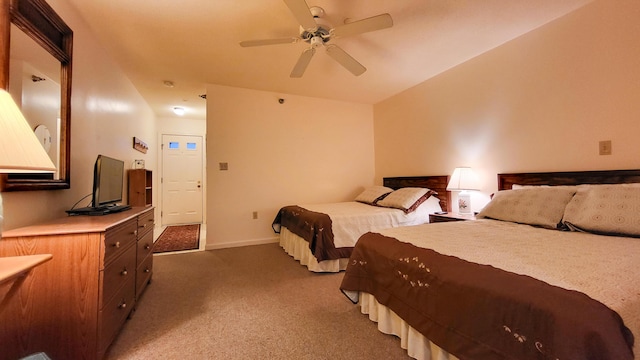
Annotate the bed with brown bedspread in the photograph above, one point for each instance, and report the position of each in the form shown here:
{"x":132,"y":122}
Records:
{"x":511,"y":286}
{"x":307,"y":232}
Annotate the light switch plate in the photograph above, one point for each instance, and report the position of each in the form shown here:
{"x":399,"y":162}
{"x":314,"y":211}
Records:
{"x":605,"y":147}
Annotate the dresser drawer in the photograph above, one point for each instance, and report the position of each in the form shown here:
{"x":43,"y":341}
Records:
{"x":73,"y":306}
{"x":114,"y":314}
{"x":145,"y":223}
{"x":117,"y":239}
{"x":117,"y":274}
{"x":145,"y":246}
{"x":143,"y":275}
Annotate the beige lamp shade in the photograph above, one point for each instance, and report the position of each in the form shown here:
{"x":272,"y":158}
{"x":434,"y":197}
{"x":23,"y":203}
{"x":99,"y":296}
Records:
{"x":463,"y":178}
{"x":20,"y":149}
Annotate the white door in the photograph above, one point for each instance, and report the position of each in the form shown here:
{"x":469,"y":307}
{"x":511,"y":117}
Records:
{"x":181,"y":181}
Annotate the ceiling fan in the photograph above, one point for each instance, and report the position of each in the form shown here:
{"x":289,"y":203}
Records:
{"x":319,"y":35}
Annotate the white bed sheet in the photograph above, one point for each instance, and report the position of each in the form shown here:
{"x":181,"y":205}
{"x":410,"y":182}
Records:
{"x":602,"y":267}
{"x":349,"y":221}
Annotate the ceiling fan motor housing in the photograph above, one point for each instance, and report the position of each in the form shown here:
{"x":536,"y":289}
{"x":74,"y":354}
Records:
{"x":321,"y":33}
{"x":316,"y":11}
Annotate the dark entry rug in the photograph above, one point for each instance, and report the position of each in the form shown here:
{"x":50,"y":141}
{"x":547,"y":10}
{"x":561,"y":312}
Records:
{"x":178,"y":238}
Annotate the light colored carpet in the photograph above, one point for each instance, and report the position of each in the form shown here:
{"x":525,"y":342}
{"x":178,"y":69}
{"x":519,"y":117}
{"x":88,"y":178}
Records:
{"x":252,"y":302}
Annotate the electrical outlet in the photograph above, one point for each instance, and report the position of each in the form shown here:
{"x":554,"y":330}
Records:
{"x":605,"y":147}
{"x":255,"y":215}
{"x":224,"y":166}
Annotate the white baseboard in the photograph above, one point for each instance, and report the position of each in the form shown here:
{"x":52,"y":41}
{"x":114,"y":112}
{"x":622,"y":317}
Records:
{"x":242,"y":243}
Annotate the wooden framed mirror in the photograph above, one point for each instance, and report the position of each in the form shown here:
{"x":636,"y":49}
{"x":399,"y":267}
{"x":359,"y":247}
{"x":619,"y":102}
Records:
{"x":41,"y":25}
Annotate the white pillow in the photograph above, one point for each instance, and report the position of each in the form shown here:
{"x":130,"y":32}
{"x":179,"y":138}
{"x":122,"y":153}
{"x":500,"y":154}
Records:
{"x":605,"y":209}
{"x":429,"y":206}
{"x":372,"y":194}
{"x":518,"y":186}
{"x":539,"y":206}
{"x":406,"y":199}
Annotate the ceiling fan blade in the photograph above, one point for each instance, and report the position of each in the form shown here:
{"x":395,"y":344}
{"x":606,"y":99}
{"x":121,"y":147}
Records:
{"x":301,"y":11}
{"x":377,"y":22}
{"x":250,"y":43}
{"x":345,"y":60}
{"x":302,"y":63}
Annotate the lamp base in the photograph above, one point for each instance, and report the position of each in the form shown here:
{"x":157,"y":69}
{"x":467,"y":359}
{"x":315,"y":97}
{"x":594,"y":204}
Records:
{"x":464,"y":202}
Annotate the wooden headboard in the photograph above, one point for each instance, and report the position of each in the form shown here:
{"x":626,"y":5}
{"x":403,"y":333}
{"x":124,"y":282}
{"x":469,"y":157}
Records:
{"x":435,"y":183}
{"x":505,"y":181}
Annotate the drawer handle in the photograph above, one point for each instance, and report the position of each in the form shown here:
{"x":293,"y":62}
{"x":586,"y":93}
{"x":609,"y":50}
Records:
{"x":144,"y":225}
{"x":147,"y":270}
{"x":122,"y":305}
{"x":124,"y":272}
{"x":117,"y":244}
{"x":135,"y":232}
{"x":147,"y":247}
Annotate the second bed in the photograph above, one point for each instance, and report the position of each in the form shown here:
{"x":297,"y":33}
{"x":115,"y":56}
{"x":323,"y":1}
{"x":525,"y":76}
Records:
{"x":322,"y":236}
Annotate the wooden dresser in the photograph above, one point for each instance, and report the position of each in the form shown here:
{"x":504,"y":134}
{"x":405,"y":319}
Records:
{"x":73,"y":306}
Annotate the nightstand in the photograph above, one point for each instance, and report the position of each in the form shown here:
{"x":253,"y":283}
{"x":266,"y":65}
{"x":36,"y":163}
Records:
{"x":450,"y":216}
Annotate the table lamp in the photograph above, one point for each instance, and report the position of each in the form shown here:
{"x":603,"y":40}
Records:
{"x":463,"y":179}
{"x":20,"y":149}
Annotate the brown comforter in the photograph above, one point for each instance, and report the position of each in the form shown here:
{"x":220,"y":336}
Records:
{"x":314,"y":227}
{"x":480,"y":312}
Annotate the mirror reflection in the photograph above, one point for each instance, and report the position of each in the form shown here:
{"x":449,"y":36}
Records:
{"x":34,"y":83}
{"x":44,"y":135}
{"x":36,"y":21}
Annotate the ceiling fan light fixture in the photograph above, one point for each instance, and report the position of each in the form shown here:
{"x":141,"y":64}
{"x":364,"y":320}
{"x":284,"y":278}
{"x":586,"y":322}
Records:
{"x":316,"y":41}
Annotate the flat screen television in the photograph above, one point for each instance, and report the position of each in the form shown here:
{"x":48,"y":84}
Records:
{"x":108,"y":178}
{"x":108,"y":175}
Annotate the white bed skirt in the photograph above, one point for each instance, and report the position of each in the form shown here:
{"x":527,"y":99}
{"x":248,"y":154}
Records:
{"x":417,"y":346}
{"x":299,"y":249}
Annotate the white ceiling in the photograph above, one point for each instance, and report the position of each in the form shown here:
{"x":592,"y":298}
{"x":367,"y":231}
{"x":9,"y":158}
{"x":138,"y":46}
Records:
{"x":195,"y":42}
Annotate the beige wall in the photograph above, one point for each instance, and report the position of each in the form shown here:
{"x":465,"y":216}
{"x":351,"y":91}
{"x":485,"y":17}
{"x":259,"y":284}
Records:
{"x":106,"y":113}
{"x":306,"y":150}
{"x":180,"y":126}
{"x":538,"y":103}
{"x":541,"y":102}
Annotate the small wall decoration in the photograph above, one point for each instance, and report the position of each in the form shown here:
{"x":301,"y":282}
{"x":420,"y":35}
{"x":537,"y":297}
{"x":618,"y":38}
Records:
{"x":140,"y":145}
{"x":138,"y":164}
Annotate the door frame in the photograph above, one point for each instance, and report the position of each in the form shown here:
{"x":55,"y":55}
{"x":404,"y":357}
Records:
{"x":203,"y":226}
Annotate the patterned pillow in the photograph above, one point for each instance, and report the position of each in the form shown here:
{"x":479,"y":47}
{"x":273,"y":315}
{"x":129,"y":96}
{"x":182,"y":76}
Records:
{"x":605,"y":209}
{"x":372,"y":194}
{"x":406,"y":199}
{"x":539,"y":206}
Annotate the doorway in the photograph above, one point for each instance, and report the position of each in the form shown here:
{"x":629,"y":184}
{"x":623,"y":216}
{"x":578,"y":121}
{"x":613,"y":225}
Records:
{"x":182,"y":179}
